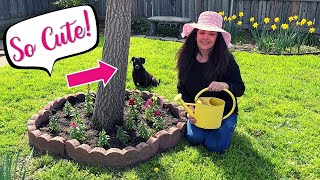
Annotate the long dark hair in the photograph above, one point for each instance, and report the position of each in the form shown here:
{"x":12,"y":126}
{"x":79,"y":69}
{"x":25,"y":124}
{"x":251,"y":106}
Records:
{"x":217,"y":62}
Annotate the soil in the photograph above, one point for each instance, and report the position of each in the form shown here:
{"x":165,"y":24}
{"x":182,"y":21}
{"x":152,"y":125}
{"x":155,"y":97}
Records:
{"x":92,"y":134}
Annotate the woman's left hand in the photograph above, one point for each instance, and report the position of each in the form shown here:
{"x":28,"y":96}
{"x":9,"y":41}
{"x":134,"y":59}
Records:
{"x":217,"y":86}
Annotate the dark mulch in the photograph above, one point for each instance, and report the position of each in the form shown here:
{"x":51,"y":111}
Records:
{"x":92,"y":134}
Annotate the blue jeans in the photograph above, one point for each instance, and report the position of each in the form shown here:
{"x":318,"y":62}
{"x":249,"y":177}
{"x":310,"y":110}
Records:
{"x":215,"y":140}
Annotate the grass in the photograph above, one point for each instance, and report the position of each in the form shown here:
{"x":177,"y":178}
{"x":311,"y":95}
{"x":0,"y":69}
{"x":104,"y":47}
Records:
{"x":277,"y":135}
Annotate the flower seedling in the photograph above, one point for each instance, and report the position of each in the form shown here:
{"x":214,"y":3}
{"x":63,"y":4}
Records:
{"x":54,"y":125}
{"x":77,"y":131}
{"x":122,"y":135}
{"x":104,"y":139}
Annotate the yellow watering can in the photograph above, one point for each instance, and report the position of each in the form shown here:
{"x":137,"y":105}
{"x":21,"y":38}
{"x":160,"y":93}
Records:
{"x":208,"y":110}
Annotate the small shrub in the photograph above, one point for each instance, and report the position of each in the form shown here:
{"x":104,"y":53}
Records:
{"x":77,"y":131}
{"x":168,"y":30}
{"x":68,"y":109}
{"x":143,"y":131}
{"x":122,"y":135}
{"x":54,"y":125}
{"x":140,"y":25}
{"x":103,"y":139}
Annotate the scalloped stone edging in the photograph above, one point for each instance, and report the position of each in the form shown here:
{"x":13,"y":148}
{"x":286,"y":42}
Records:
{"x":113,"y":157}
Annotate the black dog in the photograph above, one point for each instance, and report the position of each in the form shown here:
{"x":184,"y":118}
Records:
{"x":140,"y":76}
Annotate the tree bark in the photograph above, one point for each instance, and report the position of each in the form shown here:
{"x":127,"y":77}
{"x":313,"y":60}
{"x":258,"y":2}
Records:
{"x":110,"y":99}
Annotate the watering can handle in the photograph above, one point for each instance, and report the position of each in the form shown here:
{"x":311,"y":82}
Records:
{"x":226,"y":90}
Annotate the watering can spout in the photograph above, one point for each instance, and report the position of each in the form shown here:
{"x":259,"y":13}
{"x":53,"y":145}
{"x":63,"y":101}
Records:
{"x":186,"y":107}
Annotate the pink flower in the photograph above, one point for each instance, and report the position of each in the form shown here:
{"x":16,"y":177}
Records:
{"x":156,"y":113}
{"x":74,"y":125}
{"x":148,"y":103}
{"x":131,"y":101}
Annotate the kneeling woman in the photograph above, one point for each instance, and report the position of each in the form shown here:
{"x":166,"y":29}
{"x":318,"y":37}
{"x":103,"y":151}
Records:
{"x":204,"y":61}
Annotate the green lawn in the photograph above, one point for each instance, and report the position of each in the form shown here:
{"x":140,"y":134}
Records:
{"x":277,"y":134}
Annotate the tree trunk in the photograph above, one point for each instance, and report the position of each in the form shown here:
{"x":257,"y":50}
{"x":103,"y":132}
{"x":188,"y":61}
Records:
{"x":110,"y":99}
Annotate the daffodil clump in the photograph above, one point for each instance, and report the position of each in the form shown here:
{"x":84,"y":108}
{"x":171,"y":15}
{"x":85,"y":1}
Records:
{"x":233,"y":24}
{"x":273,"y":36}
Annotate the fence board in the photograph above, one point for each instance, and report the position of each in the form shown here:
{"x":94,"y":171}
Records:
{"x":178,"y":8}
{"x":312,"y":11}
{"x":3,"y":9}
{"x":317,"y":16}
{"x":303,"y":10}
{"x":148,"y":8}
{"x":225,"y":7}
{"x":295,"y":7}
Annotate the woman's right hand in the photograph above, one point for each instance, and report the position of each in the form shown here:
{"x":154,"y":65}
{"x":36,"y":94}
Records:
{"x":191,"y":119}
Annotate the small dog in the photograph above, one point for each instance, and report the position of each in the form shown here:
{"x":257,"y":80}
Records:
{"x":140,"y":76}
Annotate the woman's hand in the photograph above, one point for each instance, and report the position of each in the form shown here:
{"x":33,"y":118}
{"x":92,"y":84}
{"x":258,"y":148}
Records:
{"x":217,"y":86}
{"x":191,"y":119}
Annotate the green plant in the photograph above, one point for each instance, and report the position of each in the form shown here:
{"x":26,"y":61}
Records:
{"x":122,"y":135}
{"x":103,"y":139}
{"x":7,"y":163}
{"x":140,"y":25}
{"x":89,"y":102}
{"x":77,"y":131}
{"x":143,"y":131}
{"x":68,"y":109}
{"x":285,"y":37}
{"x":169,"y":30}
{"x":53,"y":124}
{"x":233,"y":25}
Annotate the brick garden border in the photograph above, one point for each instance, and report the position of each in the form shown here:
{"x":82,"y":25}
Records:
{"x":113,"y":157}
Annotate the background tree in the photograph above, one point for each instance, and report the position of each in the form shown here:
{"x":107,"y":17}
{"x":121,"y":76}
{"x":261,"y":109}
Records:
{"x":110,"y":99}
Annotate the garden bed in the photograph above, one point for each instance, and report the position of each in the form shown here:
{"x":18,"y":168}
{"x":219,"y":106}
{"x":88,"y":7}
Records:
{"x":113,"y":155}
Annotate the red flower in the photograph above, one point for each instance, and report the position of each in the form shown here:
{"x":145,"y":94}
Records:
{"x":156,"y":113}
{"x":74,"y":125}
{"x":148,"y":103}
{"x":131,"y":101}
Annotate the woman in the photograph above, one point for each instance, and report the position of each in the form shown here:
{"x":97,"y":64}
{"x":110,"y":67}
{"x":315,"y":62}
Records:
{"x":204,"y":61}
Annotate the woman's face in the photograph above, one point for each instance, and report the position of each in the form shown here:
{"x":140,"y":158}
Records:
{"x":206,"y":39}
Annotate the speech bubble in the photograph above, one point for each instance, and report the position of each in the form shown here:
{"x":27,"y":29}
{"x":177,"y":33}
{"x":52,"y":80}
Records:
{"x":38,"y":42}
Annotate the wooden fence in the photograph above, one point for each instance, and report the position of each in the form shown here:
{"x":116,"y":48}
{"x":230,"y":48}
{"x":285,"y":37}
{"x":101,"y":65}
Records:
{"x":309,"y":9}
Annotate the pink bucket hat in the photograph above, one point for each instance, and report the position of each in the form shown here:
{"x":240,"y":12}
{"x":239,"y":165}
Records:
{"x":208,"y":21}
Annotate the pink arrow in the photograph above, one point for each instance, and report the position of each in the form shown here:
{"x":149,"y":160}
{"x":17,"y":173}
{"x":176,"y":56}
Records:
{"x":104,"y":72}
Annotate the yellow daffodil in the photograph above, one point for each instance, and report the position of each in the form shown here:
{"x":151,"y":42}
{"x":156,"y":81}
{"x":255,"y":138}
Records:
{"x":309,"y":23}
{"x":284,"y":26}
{"x":312,"y":30}
{"x":225,"y":18}
{"x":156,"y":169}
{"x":221,"y":13}
{"x":252,"y":19}
{"x":303,"y":21}
{"x":240,"y":14}
{"x":239,"y":23}
{"x":273,"y":27}
{"x":255,"y":25}
{"x":291,"y":18}
{"x":298,"y":23}
{"x":295,"y":17}
{"x":233,"y":16}
{"x":266,"y":20}
{"x":229,"y":19}
{"x":276,"y":20}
